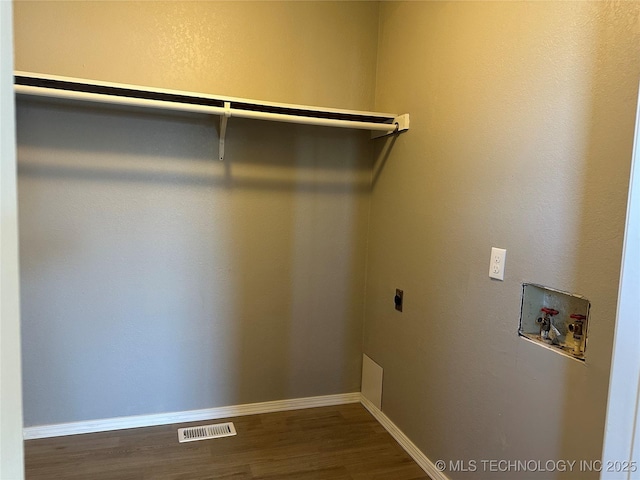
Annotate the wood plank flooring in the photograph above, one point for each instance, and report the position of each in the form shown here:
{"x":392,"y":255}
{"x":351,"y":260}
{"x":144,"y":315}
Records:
{"x":330,"y":443}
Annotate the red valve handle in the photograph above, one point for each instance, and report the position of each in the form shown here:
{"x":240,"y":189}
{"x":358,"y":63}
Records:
{"x":550,"y":311}
{"x":578,"y":316}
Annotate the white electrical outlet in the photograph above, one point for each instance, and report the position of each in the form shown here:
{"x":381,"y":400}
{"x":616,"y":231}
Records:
{"x":496,"y":265}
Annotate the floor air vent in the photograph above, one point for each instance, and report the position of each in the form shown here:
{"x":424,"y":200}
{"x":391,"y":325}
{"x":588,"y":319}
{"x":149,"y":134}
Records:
{"x":205,"y":432}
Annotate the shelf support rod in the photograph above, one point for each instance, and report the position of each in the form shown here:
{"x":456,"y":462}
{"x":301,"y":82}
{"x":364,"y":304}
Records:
{"x":401,"y":123}
{"x":223,"y":128}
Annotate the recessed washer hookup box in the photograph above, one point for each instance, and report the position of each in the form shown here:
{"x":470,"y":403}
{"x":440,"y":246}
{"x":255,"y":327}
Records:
{"x":555,"y":319}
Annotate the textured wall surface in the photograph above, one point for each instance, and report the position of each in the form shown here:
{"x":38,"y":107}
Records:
{"x":313,"y":53}
{"x":522,"y":119}
{"x":156,"y":278}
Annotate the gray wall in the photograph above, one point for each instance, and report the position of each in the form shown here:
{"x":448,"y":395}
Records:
{"x":156,"y":278}
{"x":522,"y":120}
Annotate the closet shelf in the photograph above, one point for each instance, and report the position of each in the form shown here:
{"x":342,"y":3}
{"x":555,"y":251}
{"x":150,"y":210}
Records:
{"x":77,"y":89}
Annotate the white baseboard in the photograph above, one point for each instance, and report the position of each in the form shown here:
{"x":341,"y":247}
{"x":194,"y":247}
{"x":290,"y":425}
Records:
{"x":120,"y":423}
{"x":420,"y":458}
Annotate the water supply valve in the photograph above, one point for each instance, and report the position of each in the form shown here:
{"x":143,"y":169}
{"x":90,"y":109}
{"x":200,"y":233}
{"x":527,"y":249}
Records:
{"x":577,"y":328}
{"x":545,"y":322}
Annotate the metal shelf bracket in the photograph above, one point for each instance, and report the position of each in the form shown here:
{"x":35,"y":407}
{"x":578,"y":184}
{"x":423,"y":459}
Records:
{"x":402,"y":125}
{"x":224,"y":118}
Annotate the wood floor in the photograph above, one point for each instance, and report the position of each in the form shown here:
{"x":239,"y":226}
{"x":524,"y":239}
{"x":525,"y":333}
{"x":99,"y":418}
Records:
{"x":331,"y":443}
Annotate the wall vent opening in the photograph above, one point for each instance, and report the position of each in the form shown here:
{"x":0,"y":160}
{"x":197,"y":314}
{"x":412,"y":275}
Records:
{"x":205,"y":432}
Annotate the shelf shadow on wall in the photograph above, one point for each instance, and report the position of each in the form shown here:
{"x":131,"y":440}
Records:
{"x":181,"y":149}
{"x":156,"y":278}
